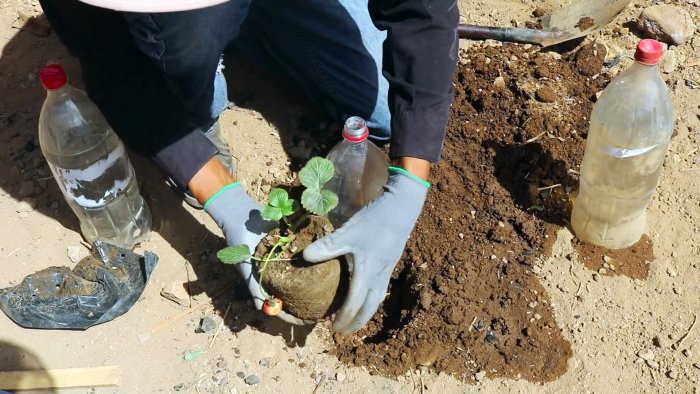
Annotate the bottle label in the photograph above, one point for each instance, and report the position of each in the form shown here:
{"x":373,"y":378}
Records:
{"x":622,"y":153}
{"x":100,"y":182}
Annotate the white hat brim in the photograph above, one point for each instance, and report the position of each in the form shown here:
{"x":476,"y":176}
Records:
{"x":153,"y":5}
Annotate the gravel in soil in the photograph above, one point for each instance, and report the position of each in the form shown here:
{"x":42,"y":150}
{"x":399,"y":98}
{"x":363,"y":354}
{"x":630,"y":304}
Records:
{"x":464,"y":298}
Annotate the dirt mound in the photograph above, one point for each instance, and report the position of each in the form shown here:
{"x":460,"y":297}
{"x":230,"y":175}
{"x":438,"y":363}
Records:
{"x":464,"y":298}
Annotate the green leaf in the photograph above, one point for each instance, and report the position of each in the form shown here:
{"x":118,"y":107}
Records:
{"x":288,"y":207}
{"x":234,"y":254}
{"x":285,"y":240}
{"x":193,"y":355}
{"x":269,"y":212}
{"x":316,"y":173}
{"x":319,"y":202}
{"x":277,"y":197}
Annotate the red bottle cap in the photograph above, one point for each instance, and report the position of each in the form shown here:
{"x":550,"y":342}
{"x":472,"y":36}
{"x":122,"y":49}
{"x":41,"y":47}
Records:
{"x":52,"y":76}
{"x":648,"y":52}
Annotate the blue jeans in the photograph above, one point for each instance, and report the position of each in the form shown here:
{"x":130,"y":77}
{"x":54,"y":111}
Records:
{"x":329,"y":48}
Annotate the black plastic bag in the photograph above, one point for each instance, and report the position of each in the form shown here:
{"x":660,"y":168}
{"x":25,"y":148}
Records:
{"x":99,"y":289}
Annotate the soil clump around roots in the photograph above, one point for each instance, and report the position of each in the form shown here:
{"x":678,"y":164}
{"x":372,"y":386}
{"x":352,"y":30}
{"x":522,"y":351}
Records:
{"x":309,"y":291}
{"x":464,"y":298}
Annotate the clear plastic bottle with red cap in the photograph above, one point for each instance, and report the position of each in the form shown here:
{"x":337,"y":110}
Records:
{"x":630,"y":129}
{"x":90,"y":164}
{"x":360,"y":171}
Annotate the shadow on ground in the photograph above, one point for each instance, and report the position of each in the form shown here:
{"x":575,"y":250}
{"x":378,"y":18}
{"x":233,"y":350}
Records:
{"x":15,"y":358}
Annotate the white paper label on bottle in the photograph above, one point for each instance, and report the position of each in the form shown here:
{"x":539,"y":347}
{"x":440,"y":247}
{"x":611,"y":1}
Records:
{"x":622,"y":153}
{"x":90,"y":187}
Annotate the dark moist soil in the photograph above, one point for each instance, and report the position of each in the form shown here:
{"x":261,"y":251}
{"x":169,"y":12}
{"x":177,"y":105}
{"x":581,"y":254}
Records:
{"x":308,"y":291}
{"x":463,"y":298}
{"x":632,"y":262}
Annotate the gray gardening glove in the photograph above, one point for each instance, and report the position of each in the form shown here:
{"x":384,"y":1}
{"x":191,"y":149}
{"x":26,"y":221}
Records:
{"x":238,"y":216}
{"x":373,"y":240}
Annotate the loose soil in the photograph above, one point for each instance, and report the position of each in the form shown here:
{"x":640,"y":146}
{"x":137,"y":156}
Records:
{"x":464,"y":298}
{"x":632,"y":262}
{"x":308,"y":291}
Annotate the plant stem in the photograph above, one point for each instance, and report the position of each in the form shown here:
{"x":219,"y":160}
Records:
{"x":269,"y":258}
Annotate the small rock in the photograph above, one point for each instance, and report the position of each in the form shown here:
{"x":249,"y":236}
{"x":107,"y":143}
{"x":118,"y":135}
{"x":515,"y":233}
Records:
{"x":265,"y":188}
{"x":660,"y":342}
{"x":499,"y":82}
{"x":596,"y":276}
{"x":479,"y":376}
{"x":340,"y":377}
{"x":175,"y":292}
{"x":26,"y":189}
{"x":652,"y":364}
{"x":687,"y":352}
{"x":26,"y":205}
{"x":265,"y":362}
{"x":546,"y":94}
{"x":491,"y":337}
{"x":672,"y":374}
{"x":607,"y":259}
{"x":646,"y":354}
{"x":179,"y":387}
{"x":205,"y":325}
{"x":696,"y":365}
{"x":252,"y":379}
{"x":74,"y":254}
{"x":240,"y":374}
{"x":532,"y":304}
{"x":668,"y":62}
{"x":602,"y":271}
{"x":672,"y":272}
{"x":667,"y":23}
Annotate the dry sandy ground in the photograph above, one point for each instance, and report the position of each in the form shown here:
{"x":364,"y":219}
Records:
{"x":615,"y":318}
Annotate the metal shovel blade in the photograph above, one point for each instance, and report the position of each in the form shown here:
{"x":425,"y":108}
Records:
{"x":567,"y":23}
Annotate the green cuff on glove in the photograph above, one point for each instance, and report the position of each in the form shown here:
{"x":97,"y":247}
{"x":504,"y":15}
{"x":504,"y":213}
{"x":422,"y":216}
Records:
{"x":402,"y":171}
{"x":223,"y":189}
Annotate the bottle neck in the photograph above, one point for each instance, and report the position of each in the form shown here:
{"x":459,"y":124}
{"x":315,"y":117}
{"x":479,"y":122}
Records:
{"x":61,"y":91}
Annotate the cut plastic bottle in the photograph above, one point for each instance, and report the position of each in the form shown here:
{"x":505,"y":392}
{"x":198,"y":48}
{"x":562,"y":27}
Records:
{"x":630,"y":129}
{"x":360,"y":171}
{"x":90,"y":164}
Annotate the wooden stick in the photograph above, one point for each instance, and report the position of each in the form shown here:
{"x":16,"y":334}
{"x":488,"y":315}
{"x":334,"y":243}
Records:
{"x":163,"y":325}
{"x":60,"y":378}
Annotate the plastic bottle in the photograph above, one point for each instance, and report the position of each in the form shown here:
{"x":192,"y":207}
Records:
{"x":360,"y":171}
{"x":90,"y":164}
{"x":630,"y":128}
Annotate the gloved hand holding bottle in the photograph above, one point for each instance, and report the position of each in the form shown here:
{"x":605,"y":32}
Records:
{"x":373,"y":240}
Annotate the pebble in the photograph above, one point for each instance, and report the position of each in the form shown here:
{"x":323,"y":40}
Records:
{"x":596,"y":276}
{"x":265,"y":362}
{"x":240,"y":374}
{"x":205,"y":325}
{"x":602,"y":271}
{"x":340,"y":377}
{"x":672,"y":272}
{"x":26,"y":205}
{"x":26,"y":189}
{"x":660,"y":342}
{"x":668,"y":62}
{"x":646,"y":354}
{"x":652,"y":364}
{"x":499,"y":82}
{"x":607,"y":259}
{"x":479,"y":376}
{"x":687,"y":352}
{"x":667,"y":23}
{"x":672,"y":374}
{"x":73,"y":252}
{"x":252,"y":379}
{"x":696,"y":365}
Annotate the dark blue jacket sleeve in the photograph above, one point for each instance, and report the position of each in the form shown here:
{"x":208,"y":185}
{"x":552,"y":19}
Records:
{"x":420,"y":57}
